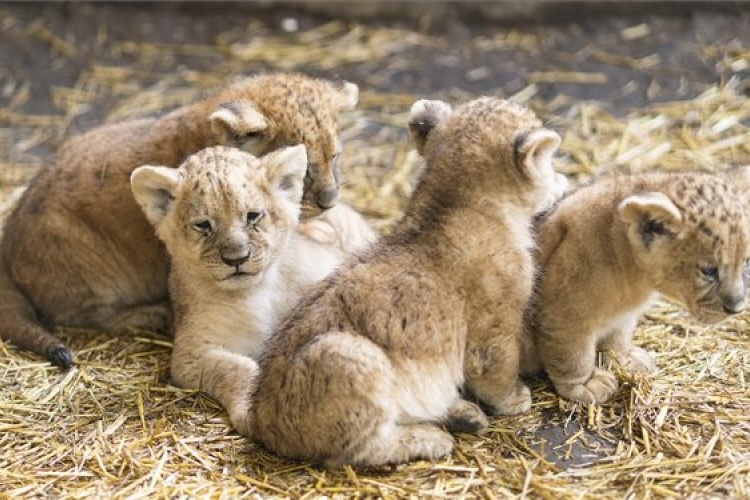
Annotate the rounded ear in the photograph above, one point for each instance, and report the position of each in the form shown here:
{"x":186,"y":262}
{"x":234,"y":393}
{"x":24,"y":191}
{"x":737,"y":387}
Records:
{"x":236,"y":122}
{"x":652,"y":213}
{"x":153,"y":189}
{"x":348,"y":96}
{"x":424,"y":117}
{"x":286,"y":169}
{"x":740,"y":177}
{"x":534,"y":150}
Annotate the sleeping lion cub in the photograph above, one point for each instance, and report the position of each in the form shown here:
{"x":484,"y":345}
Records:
{"x":606,"y":253}
{"x":238,"y":261}
{"x":369,"y":365}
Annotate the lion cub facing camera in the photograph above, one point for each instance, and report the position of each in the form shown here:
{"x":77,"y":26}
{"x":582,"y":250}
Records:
{"x":368,"y":366}
{"x":606,"y":253}
{"x":238,"y":262}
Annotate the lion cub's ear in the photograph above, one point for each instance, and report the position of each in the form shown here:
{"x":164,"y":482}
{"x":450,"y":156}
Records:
{"x":740,"y":177}
{"x":153,"y":189}
{"x":534,"y":150}
{"x":653,"y":214}
{"x":236,"y":123}
{"x":347,"y":96}
{"x":286,"y":168}
{"x":424,"y":117}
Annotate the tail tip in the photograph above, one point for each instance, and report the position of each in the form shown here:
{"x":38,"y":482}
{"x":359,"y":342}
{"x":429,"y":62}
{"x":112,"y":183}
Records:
{"x":61,"y":356}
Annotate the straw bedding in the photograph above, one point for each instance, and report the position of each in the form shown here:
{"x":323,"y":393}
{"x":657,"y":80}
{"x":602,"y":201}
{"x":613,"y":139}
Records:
{"x":114,"y":427}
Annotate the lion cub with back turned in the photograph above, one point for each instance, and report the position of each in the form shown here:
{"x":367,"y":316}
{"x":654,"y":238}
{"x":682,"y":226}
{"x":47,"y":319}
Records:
{"x":238,"y":261}
{"x":369,"y":365}
{"x":609,"y":250}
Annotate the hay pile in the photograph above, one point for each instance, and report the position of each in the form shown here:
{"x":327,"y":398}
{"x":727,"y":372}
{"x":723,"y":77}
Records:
{"x":114,"y":427}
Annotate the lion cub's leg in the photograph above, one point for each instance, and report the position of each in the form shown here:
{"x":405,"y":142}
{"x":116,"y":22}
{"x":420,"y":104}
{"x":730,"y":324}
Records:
{"x":570,"y":362}
{"x":155,"y":317}
{"x":339,"y":406}
{"x":492,"y":368}
{"x":403,"y":443}
{"x":618,"y":345}
{"x":222,"y":374}
{"x":341,"y":227}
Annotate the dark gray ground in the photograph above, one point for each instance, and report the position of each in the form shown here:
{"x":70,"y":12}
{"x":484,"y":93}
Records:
{"x":688,"y":49}
{"x":684,"y":52}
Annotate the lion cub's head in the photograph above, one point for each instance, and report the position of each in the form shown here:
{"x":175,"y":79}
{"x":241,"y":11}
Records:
{"x":489,"y":146}
{"x":265,"y":112}
{"x":693,"y":239}
{"x":224,"y":214}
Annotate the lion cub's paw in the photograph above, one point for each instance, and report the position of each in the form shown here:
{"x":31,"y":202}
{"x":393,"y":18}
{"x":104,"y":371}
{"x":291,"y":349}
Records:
{"x":467,"y":417}
{"x":557,"y":191}
{"x":519,"y":401}
{"x":600,"y":387}
{"x":239,"y":417}
{"x":428,"y":442}
{"x":636,"y":360}
{"x":319,"y":232}
{"x":639,"y":360}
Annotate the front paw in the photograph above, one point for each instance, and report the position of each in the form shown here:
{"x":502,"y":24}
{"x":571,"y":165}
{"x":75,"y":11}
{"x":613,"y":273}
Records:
{"x":319,"y":231}
{"x":239,"y":417}
{"x":639,"y":360}
{"x":519,"y":401}
{"x":556,"y":192}
{"x":599,"y":388}
{"x":636,"y":360}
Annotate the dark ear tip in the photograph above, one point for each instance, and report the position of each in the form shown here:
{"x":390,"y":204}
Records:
{"x":421,"y":127}
{"x":426,"y":114}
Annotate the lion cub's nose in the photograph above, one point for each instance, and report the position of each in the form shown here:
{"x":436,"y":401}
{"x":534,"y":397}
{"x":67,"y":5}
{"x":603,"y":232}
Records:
{"x":327,"y":198}
{"x":733,"y":305}
{"x":236,"y":261}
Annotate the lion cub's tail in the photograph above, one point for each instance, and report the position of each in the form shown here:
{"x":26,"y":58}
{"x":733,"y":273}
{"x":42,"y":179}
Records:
{"x":19,"y":324}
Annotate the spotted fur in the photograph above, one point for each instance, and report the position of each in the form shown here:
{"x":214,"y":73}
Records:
{"x":78,"y":251}
{"x":610,"y":249}
{"x":238,"y":261}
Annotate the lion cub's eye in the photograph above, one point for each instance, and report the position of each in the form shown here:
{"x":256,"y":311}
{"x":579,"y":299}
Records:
{"x":254,"y":217}
{"x":202,"y":226}
{"x":709,"y":272}
{"x":246,"y":136}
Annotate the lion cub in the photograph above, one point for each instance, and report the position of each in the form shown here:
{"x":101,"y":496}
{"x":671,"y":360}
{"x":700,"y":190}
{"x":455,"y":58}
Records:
{"x":368,"y":366}
{"x":78,"y":251}
{"x":229,"y":221}
{"x":610,"y":249}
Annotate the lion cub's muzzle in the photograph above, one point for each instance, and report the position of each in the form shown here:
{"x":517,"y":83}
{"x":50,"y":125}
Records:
{"x":327,"y":198}
{"x":235,"y":261}
{"x":321,"y":191}
{"x":733,"y":304}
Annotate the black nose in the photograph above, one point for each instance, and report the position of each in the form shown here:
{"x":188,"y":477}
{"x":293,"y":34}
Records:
{"x":733,"y":306}
{"x":235,"y":262}
{"x":327,"y":198}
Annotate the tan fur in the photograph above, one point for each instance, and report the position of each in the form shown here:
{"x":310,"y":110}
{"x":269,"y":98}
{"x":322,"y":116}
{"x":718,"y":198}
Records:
{"x":369,"y":365}
{"x":231,"y":283}
{"x":77,"y":251}
{"x":610,"y":249}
